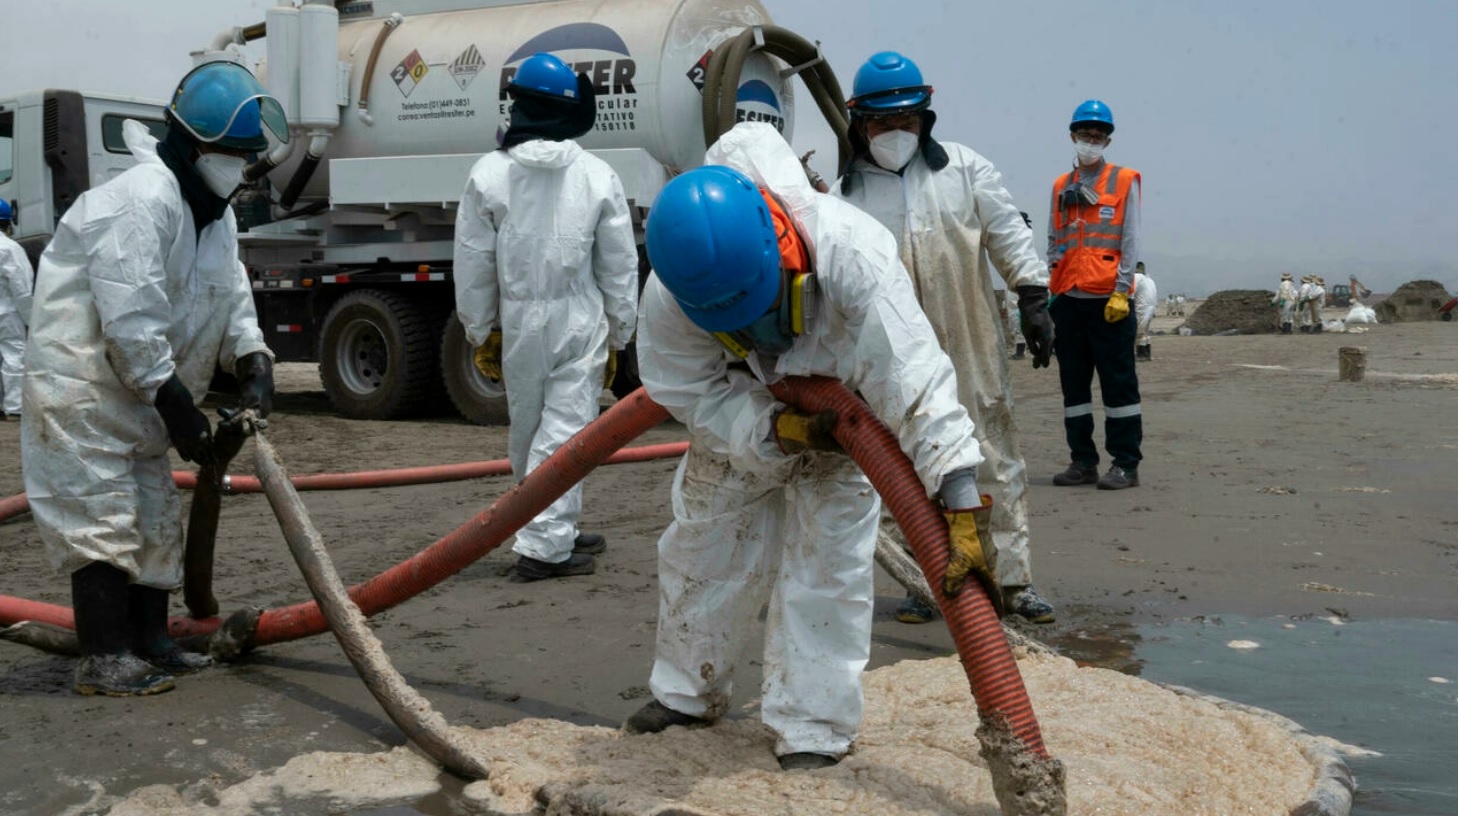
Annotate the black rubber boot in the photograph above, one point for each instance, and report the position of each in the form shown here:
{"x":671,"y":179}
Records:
{"x":589,"y":544}
{"x":1285,"y":328}
{"x":530,"y":569}
{"x":1021,"y":351}
{"x":655,"y":717}
{"x":150,"y":639}
{"x":806,"y":761}
{"x":103,"y":633}
{"x":1144,"y":352}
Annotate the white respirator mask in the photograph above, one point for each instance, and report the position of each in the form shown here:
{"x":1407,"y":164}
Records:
{"x":1088,"y":153}
{"x":893,"y":149}
{"x":223,"y":174}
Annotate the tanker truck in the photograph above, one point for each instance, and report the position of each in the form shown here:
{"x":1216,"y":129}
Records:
{"x":390,"y":102}
{"x":347,"y":229}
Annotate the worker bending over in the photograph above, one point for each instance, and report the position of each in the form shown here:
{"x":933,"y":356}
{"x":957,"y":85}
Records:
{"x":757,"y":278}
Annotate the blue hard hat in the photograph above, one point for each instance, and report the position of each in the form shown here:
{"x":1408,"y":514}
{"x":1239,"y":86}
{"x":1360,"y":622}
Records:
{"x":6,"y":213}
{"x":889,"y":82}
{"x":546,"y":75}
{"x":712,"y":242}
{"x":1093,"y":112}
{"x":221,"y":103}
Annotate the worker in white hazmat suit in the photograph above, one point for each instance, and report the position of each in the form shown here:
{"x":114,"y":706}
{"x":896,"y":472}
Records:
{"x":1316,"y":302}
{"x":950,"y":212}
{"x":1146,"y":297}
{"x":1285,"y":301}
{"x":139,"y":298}
{"x":1303,"y":300}
{"x":16,"y":277}
{"x":757,"y":278}
{"x":546,"y":274}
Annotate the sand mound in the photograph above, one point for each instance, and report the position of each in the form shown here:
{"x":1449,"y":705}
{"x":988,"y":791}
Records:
{"x":1129,"y":746}
{"x":1414,"y":300}
{"x":1244,"y":311}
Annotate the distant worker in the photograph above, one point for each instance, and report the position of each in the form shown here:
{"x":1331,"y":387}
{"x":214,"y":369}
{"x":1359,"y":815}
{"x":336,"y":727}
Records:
{"x":546,"y":274}
{"x":950,"y":212}
{"x":1285,"y":301}
{"x":1303,"y":304}
{"x":1145,"y":298}
{"x":1093,"y":245}
{"x":140,"y":297}
{"x":1316,"y":302}
{"x":16,"y":280}
{"x":1358,"y":290}
{"x":757,"y":278}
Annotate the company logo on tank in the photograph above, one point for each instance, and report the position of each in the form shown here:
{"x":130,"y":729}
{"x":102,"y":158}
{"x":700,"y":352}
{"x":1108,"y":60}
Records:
{"x":756,"y":99}
{"x":611,"y":71}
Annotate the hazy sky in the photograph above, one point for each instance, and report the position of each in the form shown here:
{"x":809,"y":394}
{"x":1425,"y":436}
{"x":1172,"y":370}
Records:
{"x":1302,"y":135}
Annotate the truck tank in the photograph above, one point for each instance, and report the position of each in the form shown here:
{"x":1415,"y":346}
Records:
{"x":439,"y":82}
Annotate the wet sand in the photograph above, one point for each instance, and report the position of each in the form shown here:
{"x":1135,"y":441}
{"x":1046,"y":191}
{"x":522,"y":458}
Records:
{"x":1268,"y":488}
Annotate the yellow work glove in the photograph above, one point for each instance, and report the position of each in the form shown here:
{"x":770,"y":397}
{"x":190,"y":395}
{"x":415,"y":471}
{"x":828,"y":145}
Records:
{"x":611,"y":370}
{"x":1117,"y":308}
{"x":797,"y":432}
{"x":488,"y":356}
{"x":972,"y":551}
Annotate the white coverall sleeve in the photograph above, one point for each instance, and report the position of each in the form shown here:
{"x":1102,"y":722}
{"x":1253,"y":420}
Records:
{"x":685,"y":370}
{"x":1005,"y":235}
{"x":615,"y":265}
{"x":16,"y":275}
{"x":244,"y":336}
{"x":900,"y":368}
{"x":1129,"y":246}
{"x":474,"y":264}
{"x":127,"y":269}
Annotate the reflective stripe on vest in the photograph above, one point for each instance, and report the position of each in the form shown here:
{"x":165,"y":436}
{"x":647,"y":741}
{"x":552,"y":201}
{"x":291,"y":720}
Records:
{"x":1091,"y":236}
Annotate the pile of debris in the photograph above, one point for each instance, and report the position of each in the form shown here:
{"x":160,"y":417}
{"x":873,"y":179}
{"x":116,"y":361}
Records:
{"x":1414,"y":300}
{"x":1235,"y":311}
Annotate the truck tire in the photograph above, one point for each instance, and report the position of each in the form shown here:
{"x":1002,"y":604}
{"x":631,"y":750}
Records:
{"x":480,"y":400}
{"x":376,"y":355}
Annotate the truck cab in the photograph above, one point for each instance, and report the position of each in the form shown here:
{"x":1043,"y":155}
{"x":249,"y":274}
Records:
{"x":55,"y":145}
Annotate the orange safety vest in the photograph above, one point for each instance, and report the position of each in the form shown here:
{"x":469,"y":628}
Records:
{"x":1091,"y":236}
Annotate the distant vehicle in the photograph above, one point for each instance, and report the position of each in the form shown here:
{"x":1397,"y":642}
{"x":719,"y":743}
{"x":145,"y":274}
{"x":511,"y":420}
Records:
{"x":1445,"y":312}
{"x":1340,"y":295}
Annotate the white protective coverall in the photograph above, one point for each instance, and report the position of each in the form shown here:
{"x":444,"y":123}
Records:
{"x":16,"y":276}
{"x":1146,"y":298}
{"x":128,"y":294}
{"x":1303,"y":298}
{"x":545,"y":252}
{"x":1286,"y":300}
{"x":748,"y":518}
{"x":943,"y":221}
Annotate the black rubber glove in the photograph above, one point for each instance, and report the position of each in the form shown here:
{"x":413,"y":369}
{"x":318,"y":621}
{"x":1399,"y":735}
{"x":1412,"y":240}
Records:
{"x":255,"y":382}
{"x":1036,"y":323}
{"x":191,"y":434}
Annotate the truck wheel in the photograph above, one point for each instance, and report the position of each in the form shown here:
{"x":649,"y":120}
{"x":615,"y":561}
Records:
{"x":376,"y":355}
{"x":480,"y":400}
{"x":1447,"y":316}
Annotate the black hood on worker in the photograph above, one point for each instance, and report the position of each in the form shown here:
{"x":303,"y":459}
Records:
{"x":537,"y":116}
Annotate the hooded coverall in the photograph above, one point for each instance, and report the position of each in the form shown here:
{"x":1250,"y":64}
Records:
{"x":750,"y":521}
{"x":1145,"y":298}
{"x":16,"y":276}
{"x":128,"y":293}
{"x":1286,"y":302}
{"x":943,"y":220}
{"x":545,"y":252}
